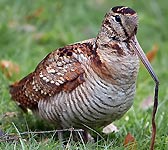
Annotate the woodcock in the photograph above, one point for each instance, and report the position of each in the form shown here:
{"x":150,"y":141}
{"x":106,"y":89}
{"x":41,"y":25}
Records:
{"x":89,"y":83}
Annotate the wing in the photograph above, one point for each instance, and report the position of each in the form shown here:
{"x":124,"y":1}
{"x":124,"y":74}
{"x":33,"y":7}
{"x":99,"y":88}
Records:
{"x":61,"y":70}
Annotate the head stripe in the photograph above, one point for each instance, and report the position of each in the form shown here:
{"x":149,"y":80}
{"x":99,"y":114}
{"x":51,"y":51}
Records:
{"x":123,"y":10}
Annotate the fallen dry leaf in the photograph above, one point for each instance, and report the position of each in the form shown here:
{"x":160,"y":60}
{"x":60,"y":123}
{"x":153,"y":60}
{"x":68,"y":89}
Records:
{"x":110,"y":128}
{"x":9,"y":68}
{"x":152,"y":53}
{"x":130,"y":142}
{"x":35,"y":14}
{"x":147,"y":103}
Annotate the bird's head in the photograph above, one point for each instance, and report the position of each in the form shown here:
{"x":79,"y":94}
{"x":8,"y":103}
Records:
{"x":120,"y":23}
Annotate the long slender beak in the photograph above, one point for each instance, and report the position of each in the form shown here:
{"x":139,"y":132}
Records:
{"x":134,"y":43}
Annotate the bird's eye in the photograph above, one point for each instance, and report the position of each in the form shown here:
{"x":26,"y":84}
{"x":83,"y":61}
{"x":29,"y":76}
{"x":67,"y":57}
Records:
{"x":117,"y":18}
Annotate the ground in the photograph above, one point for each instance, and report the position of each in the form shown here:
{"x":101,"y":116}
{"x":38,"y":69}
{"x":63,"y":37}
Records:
{"x":31,"y":29}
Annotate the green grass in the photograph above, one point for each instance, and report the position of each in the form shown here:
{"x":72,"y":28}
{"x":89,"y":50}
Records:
{"x":62,"y":22}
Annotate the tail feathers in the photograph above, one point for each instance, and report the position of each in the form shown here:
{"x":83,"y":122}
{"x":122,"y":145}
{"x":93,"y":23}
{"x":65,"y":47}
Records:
{"x":17,"y":88}
{"x":17,"y":92}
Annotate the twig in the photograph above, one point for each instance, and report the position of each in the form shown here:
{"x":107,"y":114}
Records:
{"x":153,"y":117}
{"x":51,"y":131}
{"x":9,"y":137}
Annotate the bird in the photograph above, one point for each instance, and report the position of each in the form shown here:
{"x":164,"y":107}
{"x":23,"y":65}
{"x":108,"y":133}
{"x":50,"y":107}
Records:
{"x":89,"y":83}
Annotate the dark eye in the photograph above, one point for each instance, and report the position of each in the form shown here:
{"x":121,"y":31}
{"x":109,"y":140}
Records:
{"x":117,"y":18}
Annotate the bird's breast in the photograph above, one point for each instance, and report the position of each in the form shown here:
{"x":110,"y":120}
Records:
{"x":94,"y":101}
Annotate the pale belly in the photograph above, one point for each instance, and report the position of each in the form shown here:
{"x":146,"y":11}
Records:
{"x":94,"y":103}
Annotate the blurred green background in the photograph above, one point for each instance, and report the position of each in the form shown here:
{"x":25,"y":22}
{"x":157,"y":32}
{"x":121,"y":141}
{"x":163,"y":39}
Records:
{"x":30,"y":29}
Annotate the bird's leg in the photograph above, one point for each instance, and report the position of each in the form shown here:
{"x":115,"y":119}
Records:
{"x":85,"y":136}
{"x":60,"y":136}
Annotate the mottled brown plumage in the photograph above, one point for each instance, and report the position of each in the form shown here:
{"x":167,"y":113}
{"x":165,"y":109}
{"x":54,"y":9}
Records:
{"x":59,"y":71}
